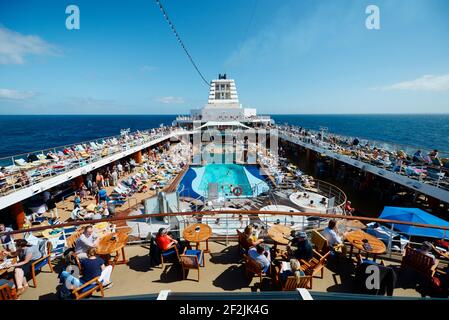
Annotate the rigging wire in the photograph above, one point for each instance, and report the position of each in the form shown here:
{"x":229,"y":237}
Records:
{"x":181,"y":42}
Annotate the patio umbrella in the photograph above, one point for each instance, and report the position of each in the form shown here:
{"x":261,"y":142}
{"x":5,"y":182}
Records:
{"x":416,"y":215}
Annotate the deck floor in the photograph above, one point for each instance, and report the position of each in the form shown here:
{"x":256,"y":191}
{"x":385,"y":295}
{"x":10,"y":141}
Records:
{"x":222,"y":272}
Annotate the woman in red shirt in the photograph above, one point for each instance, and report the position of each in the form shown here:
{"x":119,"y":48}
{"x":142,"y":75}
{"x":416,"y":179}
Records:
{"x":164,"y":240}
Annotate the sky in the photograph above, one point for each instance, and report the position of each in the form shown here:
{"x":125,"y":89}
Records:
{"x":287,"y":57}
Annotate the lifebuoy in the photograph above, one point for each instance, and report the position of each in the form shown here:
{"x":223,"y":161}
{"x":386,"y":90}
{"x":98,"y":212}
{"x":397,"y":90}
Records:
{"x":237,"y":191}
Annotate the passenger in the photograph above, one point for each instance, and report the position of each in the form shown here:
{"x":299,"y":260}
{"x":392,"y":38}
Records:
{"x":164,"y":239}
{"x":311,"y":204}
{"x":334,"y":241}
{"x":77,"y":201}
{"x":323,"y":201}
{"x":27,"y":254}
{"x":87,"y":240}
{"x":426,"y":249}
{"x":252,"y":237}
{"x":418,"y":157}
{"x":260,"y":255}
{"x":294,"y":270}
{"x":7,"y":241}
{"x":93,"y":267}
{"x":304,"y":249}
{"x":348,"y":208}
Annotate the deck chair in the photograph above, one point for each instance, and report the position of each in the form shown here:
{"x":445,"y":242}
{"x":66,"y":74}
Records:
{"x":169,"y":252}
{"x":243,"y":242}
{"x":191,"y":259}
{"x":292,"y":283}
{"x":45,"y":247}
{"x":319,"y":242}
{"x":88,"y":289}
{"x":252,"y":268}
{"x":6,"y":293}
{"x":315,"y":265}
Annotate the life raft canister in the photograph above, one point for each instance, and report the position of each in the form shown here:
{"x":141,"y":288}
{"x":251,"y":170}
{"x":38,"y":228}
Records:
{"x":237,"y":191}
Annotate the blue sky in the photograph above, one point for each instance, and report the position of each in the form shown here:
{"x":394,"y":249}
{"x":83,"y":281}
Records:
{"x":286,"y":56}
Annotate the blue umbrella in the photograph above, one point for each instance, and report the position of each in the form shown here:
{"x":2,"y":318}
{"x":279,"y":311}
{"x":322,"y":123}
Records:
{"x":416,"y":215}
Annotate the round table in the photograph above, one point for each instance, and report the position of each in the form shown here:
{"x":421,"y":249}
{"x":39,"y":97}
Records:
{"x":349,"y":225}
{"x":113,"y":242}
{"x":101,"y":228}
{"x":198,"y":232}
{"x":280,"y":234}
{"x":355,"y":238}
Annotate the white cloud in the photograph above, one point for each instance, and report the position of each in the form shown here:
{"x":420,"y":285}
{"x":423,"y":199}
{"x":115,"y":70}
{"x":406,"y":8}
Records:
{"x":14,"y":46}
{"x":424,"y":83}
{"x":16,"y":94}
{"x":170,"y":100}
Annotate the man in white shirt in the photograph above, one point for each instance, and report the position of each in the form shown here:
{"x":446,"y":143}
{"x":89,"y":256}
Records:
{"x":87,"y":240}
{"x":334,"y":241}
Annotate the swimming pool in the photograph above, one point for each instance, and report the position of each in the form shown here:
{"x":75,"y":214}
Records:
{"x":198,"y":179}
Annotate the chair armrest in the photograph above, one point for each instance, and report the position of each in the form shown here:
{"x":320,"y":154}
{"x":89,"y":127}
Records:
{"x":39,"y":261}
{"x":88,"y":283}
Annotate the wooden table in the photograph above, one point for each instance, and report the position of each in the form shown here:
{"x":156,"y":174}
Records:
{"x":356,"y":238}
{"x":4,"y":271}
{"x":349,"y":225}
{"x":280,"y":234}
{"x":107,"y":245}
{"x":198,"y":232}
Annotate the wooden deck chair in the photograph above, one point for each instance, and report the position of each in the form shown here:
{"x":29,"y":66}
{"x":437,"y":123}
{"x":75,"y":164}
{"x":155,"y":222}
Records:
{"x":315,"y":265}
{"x":319,"y":242}
{"x":292,"y":283}
{"x":169,"y":252}
{"x":40,"y":263}
{"x":6,"y":293}
{"x":419,"y":261}
{"x":253,"y":268}
{"x":243,"y":242}
{"x":192,"y":259}
{"x":88,"y":289}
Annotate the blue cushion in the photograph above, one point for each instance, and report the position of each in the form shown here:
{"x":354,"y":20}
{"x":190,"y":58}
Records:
{"x":169,"y":252}
{"x":195,"y":253}
{"x":41,"y":264}
{"x":91,"y":286}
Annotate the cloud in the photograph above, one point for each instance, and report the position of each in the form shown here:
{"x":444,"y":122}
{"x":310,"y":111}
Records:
{"x":14,"y":46}
{"x":16,"y":94}
{"x":91,"y":102}
{"x":424,"y":83}
{"x":170,"y":100}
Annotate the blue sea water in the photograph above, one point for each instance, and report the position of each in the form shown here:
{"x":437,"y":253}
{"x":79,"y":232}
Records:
{"x":22,"y":134}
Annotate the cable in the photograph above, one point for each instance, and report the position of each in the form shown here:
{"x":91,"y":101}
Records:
{"x":180,"y":42}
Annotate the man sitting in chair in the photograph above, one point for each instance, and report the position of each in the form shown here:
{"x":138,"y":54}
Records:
{"x":334,"y":241}
{"x":260,"y":255}
{"x":87,"y":240}
{"x":164,"y":239}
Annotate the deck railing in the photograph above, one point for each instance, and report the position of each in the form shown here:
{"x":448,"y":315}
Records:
{"x":230,"y":220}
{"x":43,"y":171}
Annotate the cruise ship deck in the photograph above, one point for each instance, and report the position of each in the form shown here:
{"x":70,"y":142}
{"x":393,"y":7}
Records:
{"x":208,"y":178}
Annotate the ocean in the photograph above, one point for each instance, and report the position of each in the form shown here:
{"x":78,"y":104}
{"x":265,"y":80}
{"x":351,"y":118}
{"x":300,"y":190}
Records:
{"x":22,"y":134}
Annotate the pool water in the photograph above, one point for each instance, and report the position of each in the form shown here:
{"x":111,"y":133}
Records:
{"x":195,"y":182}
